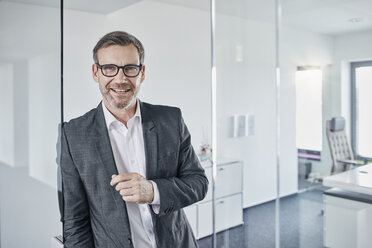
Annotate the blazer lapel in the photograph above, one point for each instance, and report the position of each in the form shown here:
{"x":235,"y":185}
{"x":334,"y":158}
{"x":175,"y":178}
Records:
{"x":106,"y":156}
{"x":150,"y":140}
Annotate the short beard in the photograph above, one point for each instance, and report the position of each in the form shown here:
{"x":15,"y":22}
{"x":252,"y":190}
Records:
{"x":132,"y":100}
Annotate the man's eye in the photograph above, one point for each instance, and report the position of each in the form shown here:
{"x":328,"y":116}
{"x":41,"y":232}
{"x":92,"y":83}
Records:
{"x":131,"y":68}
{"x":109,"y":68}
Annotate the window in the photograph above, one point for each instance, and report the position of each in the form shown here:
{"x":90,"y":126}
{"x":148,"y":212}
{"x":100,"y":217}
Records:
{"x":309,"y":108}
{"x":361,"y":118}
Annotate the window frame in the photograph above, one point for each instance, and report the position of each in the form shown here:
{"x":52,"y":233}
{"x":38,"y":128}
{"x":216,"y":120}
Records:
{"x":353,"y":107}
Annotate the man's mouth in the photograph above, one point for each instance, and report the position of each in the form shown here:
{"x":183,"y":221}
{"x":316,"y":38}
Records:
{"x":121,"y":90}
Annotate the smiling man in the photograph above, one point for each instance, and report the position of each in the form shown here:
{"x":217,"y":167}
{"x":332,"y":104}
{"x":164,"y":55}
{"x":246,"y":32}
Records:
{"x":128,"y":167}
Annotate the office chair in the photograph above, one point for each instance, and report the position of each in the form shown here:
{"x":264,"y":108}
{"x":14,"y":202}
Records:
{"x":342,"y":155}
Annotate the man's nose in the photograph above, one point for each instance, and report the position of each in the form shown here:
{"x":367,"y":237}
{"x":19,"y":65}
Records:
{"x":121,"y":76}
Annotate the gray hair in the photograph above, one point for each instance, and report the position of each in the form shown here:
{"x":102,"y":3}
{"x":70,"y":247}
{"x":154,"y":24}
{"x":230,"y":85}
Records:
{"x":119,"y":38}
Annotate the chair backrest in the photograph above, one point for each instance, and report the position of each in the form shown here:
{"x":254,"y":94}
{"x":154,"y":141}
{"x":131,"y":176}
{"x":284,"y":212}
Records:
{"x":338,"y":144}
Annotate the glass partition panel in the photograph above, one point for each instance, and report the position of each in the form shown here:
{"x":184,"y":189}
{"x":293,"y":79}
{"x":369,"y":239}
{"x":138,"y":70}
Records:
{"x":318,"y":42}
{"x":30,"y":114}
{"x":245,"y":169}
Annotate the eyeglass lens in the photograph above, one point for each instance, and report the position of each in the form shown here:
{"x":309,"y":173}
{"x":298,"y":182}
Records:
{"x":112,"y":70}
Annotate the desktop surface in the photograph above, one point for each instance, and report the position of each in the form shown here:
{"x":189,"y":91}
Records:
{"x":356,"y":180}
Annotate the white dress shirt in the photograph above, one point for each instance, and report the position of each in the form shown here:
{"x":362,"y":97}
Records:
{"x":129,"y":153}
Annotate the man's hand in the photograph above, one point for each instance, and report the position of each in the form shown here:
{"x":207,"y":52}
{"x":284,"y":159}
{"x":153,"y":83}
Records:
{"x":133,"y":187}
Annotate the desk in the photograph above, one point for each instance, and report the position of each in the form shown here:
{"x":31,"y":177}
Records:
{"x":357,"y":180}
{"x":348,"y":209}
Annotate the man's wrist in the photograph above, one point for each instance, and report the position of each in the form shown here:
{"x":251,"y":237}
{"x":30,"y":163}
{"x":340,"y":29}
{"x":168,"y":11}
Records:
{"x":156,"y":195}
{"x":152,"y":192}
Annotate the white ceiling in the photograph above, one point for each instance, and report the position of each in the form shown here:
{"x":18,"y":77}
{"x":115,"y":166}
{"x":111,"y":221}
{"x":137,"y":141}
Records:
{"x":323,"y":16}
{"x":96,"y":6}
{"x":328,"y":16}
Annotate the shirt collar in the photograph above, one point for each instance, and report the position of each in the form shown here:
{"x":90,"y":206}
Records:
{"x":110,"y":118}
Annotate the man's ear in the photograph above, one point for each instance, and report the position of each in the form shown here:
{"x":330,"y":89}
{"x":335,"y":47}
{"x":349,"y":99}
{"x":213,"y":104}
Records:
{"x":95,"y":72}
{"x":143,"y":73}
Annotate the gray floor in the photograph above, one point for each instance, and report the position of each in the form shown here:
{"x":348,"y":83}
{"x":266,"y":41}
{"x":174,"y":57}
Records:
{"x":301,"y":225}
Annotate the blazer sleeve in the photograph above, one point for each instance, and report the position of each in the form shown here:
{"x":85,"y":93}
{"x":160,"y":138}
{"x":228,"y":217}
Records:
{"x":77,"y":231}
{"x":190,"y":185}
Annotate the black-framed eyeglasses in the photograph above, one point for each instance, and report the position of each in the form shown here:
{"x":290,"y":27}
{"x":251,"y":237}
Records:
{"x":111,"y":70}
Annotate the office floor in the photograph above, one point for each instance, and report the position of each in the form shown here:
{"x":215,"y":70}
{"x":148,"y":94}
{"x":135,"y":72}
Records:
{"x":301,"y":224}
{"x":304,"y":184}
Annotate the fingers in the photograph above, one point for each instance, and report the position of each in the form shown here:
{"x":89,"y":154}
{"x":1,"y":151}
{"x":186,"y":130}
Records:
{"x":133,"y":194}
{"x":115,"y":179}
{"x":127,"y":184}
{"x":133,"y":187}
{"x":129,"y":191}
{"x":132,"y":198}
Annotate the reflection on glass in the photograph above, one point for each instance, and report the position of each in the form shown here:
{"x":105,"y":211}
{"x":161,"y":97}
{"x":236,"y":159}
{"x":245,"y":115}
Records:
{"x":246,"y":166}
{"x":32,"y":75}
{"x":330,"y":35}
{"x":30,"y":114}
{"x":44,"y":97}
{"x":7,"y":113}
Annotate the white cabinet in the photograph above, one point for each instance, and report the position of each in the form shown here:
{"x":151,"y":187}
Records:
{"x":228,"y":214}
{"x":229,"y":200}
{"x":228,"y":182}
{"x":347,"y":222}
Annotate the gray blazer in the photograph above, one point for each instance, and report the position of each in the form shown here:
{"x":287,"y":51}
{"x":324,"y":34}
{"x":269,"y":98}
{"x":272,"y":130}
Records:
{"x":94,"y":214}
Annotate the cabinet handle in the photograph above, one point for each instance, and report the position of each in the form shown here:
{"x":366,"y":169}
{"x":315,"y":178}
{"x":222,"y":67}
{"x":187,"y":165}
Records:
{"x":221,"y":169}
{"x":221,"y":202}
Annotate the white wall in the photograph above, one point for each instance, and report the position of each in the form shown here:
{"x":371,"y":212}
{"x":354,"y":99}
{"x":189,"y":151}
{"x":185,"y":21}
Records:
{"x":248,"y":87}
{"x":81,"y":32}
{"x":177,"y":43}
{"x":27,"y":30}
{"x":30,"y":112}
{"x":44,"y":116}
{"x":358,"y":49}
{"x":7,"y":115}
{"x":20,"y":103}
{"x":353,"y":46}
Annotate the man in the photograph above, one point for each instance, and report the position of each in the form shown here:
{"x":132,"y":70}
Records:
{"x":128,"y":167}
